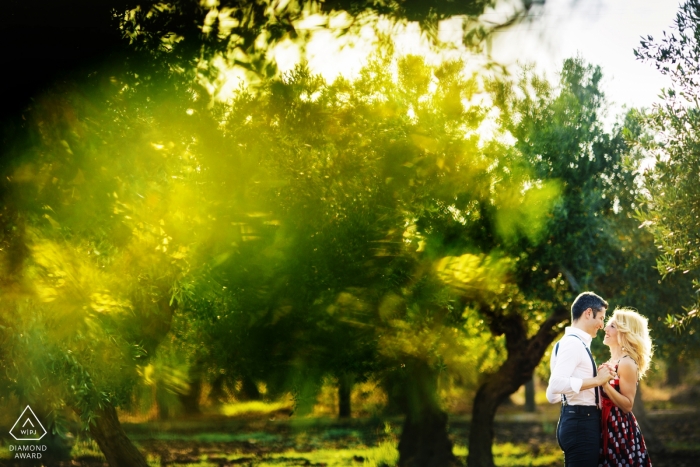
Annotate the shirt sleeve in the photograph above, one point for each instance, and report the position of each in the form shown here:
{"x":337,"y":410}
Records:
{"x":553,"y":398}
{"x":561,"y":380}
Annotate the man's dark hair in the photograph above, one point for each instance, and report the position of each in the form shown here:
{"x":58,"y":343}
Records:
{"x":585,"y":301}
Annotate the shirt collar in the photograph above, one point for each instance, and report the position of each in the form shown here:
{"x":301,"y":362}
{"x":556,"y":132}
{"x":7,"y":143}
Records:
{"x":585,"y":337}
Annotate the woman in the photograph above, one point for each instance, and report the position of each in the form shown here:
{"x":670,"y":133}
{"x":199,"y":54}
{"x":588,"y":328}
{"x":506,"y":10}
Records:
{"x":627,"y":335}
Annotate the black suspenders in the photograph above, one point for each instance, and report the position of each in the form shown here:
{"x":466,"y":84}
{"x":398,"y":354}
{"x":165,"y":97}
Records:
{"x":595,"y":371}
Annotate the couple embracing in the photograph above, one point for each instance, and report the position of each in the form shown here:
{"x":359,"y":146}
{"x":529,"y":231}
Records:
{"x":596,"y":426}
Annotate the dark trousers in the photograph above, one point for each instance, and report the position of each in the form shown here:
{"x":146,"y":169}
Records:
{"x":578,"y":434}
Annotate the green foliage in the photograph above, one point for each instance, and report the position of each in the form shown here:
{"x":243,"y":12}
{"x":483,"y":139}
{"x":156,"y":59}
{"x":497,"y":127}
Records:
{"x":131,"y":204}
{"x":90,"y":228}
{"x":672,"y":186}
{"x":330,"y":260}
{"x":202,"y":38}
{"x":559,"y":132}
{"x":634,"y":279}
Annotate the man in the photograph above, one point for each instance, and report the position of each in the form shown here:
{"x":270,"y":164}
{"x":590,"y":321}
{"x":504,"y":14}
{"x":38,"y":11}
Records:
{"x":575,"y":383}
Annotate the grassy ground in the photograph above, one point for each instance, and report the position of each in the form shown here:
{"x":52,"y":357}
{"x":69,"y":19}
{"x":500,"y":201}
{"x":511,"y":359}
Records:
{"x":311,"y":442}
{"x":260,"y":435}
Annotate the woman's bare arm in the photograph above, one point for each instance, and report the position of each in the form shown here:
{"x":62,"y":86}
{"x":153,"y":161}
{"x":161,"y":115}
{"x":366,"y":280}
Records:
{"x":627,"y":371}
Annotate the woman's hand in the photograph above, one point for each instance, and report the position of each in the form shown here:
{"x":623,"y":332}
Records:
{"x":607,"y":367}
{"x":604,"y":375}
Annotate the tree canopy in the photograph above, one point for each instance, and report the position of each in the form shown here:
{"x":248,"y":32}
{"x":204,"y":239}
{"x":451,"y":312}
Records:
{"x":674,"y":197}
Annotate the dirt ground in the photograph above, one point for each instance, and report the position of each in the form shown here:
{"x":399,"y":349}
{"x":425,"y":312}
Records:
{"x":679,"y":432}
{"x":184,"y":443}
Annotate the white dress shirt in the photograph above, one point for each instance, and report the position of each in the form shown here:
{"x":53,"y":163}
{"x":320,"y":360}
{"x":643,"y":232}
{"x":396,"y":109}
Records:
{"x":570,"y":366}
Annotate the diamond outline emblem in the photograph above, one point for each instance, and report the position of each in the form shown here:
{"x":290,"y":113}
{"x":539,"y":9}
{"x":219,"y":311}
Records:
{"x":28,"y":419}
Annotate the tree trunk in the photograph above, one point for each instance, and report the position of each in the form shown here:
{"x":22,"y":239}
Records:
{"x":424,"y":441}
{"x":345,"y":383}
{"x":530,"y":395}
{"x":217,"y":393}
{"x":490,"y":395}
{"x":249,"y":390}
{"x":114,"y":444}
{"x":674,"y":373}
{"x":654,"y":444}
{"x":523,"y":356}
{"x":190,"y":400}
{"x":163,"y":403}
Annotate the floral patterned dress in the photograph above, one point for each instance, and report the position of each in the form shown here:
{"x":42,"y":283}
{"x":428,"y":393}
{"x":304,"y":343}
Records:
{"x":622,"y":443}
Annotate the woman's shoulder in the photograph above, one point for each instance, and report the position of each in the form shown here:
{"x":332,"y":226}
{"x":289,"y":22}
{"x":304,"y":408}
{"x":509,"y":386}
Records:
{"x":626,"y":360}
{"x":627,"y":365}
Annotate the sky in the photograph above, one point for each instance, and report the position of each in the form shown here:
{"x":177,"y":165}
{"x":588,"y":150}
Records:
{"x":603,"y":32}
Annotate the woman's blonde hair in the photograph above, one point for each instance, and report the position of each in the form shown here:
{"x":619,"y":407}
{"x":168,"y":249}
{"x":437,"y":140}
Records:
{"x":633,"y":337}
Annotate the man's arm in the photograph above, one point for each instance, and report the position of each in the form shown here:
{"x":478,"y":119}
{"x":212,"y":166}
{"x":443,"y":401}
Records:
{"x":604,"y":375}
{"x":553,"y":398}
{"x":561,"y":382}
